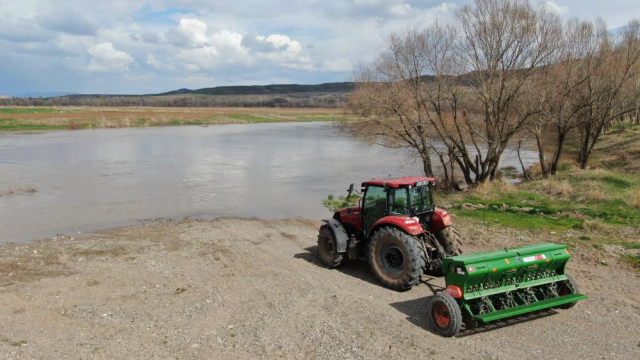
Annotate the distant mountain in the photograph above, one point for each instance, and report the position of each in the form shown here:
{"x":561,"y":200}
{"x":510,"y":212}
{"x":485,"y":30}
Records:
{"x":328,"y":95}
{"x":45,"y":94}
{"x":341,"y":87}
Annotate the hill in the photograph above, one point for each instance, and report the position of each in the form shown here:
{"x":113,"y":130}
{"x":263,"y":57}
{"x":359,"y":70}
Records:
{"x":276,"y":89}
{"x":328,"y":95}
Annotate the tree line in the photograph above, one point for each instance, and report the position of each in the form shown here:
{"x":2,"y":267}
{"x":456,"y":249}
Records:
{"x":500,"y":70}
{"x":302,"y":100}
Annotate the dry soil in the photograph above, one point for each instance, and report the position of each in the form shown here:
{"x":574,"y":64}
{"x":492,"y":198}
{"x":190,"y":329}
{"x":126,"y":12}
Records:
{"x":247,"y":288}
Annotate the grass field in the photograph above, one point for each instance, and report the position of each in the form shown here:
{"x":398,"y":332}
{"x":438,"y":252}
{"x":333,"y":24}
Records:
{"x":58,"y":118}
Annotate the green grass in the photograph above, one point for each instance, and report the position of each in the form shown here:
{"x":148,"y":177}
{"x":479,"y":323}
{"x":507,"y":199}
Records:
{"x":341,"y":202}
{"x":633,"y":260}
{"x":519,"y":221}
{"x":8,"y":124}
{"x":246,"y":118}
{"x":309,"y":118}
{"x":26,"y":110}
{"x":256,"y":119}
{"x":583,"y":195}
{"x":13,"y":125}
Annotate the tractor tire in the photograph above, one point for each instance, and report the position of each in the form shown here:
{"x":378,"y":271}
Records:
{"x":327,"y":248}
{"x":445,"y":315}
{"x":395,"y":258}
{"x":450,"y":240}
{"x":571,"y":288}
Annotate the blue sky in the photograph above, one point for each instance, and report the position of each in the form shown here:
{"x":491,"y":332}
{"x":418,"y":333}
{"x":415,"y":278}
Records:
{"x":140,"y":46}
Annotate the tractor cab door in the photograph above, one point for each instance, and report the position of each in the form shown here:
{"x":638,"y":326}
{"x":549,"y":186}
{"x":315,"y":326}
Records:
{"x":374,"y":207}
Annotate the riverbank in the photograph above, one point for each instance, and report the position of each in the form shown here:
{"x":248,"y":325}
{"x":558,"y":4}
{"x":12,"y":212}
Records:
{"x":74,"y":118}
{"x":247,"y":288}
{"x":596,"y":207}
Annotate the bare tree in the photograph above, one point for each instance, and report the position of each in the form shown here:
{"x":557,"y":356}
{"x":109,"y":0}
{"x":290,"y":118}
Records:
{"x":558,"y":86}
{"x":472,"y":100}
{"x":604,"y":97}
{"x":503,"y":43}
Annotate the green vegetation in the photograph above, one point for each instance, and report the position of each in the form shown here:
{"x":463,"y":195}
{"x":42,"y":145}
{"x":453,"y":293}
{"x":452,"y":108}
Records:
{"x":247,"y":118}
{"x":634,"y":260}
{"x":578,"y":199}
{"x":36,"y":118}
{"x":334,"y":204}
{"x":254,"y":119}
{"x":27,"y":110}
{"x":14,"y":125}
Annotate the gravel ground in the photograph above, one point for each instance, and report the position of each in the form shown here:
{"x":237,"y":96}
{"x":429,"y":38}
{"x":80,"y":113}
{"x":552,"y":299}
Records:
{"x":247,"y":288}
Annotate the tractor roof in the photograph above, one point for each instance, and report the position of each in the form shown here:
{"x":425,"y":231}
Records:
{"x":398,"y":182}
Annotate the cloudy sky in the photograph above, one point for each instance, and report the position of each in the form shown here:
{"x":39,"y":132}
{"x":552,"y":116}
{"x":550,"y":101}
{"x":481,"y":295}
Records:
{"x":142,"y":46}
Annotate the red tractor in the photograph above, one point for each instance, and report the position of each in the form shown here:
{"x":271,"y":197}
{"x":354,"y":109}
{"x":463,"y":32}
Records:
{"x":396,"y":226}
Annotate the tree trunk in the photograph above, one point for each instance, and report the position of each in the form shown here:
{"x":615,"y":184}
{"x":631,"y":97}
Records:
{"x":524,"y":170}
{"x":558,"y":153}
{"x":543,"y":163}
{"x":426,"y":164}
{"x":446,"y":171}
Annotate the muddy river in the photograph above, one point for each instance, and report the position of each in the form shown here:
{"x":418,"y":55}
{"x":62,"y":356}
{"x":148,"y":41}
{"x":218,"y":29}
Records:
{"x":93,"y":179}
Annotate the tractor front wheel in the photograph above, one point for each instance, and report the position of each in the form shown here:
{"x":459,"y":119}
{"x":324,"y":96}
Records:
{"x":445,"y":315}
{"x":327,"y":248}
{"x":395,"y":258}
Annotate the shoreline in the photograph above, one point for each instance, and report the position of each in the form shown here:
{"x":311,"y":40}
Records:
{"x":13,"y":119}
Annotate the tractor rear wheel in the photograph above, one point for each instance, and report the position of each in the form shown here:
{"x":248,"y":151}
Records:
{"x":568,"y":287}
{"x":395,"y":258}
{"x":327,"y":248}
{"x":445,"y":315}
{"x":450,"y":240}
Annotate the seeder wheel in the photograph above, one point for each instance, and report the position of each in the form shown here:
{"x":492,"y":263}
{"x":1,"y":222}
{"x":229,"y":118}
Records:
{"x":445,"y":315}
{"x":569,"y":287}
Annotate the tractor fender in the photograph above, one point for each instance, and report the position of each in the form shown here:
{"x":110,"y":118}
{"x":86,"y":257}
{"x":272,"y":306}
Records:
{"x":408,"y":224}
{"x":339,"y":232}
{"x":440,"y":220}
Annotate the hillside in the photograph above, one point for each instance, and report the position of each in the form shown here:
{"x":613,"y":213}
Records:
{"x":342,"y":87}
{"x":328,"y":95}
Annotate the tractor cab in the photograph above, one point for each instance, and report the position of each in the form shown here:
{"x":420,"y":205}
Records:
{"x":407,"y":196}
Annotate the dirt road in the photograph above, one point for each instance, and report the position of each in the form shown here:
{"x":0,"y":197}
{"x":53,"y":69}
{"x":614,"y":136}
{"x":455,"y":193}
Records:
{"x":243,"y":288}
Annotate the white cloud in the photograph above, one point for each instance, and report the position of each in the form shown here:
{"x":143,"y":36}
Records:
{"x":194,"y":30}
{"x":151,"y":61}
{"x":337,"y":65}
{"x":403,"y":9}
{"x":560,"y":10}
{"x":286,"y":52}
{"x":157,"y":64}
{"x":105,"y":58}
{"x":223,"y":47}
{"x":199,"y":58}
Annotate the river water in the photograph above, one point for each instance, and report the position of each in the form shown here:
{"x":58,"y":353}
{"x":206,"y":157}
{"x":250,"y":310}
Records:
{"x":94,"y":179}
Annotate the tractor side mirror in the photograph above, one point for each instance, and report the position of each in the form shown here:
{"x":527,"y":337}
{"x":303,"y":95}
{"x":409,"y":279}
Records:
{"x":350,"y":191}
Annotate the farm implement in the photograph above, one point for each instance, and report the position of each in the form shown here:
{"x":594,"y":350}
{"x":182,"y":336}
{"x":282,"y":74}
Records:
{"x":398,"y":229}
{"x":494,"y":285}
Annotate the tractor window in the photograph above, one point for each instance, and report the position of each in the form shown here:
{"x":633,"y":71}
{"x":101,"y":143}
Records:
{"x":376,"y":199}
{"x":375,"y":206}
{"x":421,"y":199}
{"x":398,"y":201}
